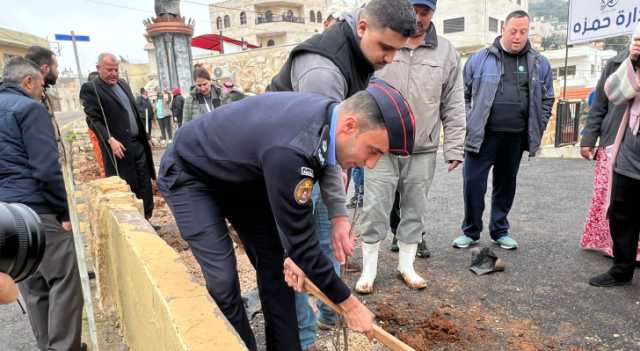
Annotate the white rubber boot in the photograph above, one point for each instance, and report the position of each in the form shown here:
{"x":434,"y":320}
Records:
{"x":406,"y":257}
{"x":369,"y":268}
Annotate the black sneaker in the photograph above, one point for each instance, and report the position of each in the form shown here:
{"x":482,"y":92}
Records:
{"x":394,"y":244}
{"x":423,"y":250}
{"x":352,"y":203}
{"x":606,"y":280}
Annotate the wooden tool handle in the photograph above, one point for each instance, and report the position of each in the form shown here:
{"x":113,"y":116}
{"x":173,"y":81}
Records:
{"x":379,"y":334}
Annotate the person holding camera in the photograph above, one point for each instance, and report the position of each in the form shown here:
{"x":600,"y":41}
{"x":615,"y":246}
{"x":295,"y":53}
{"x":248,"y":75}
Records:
{"x":31,"y":175}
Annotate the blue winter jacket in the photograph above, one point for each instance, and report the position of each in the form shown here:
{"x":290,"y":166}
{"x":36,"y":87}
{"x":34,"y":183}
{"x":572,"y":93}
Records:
{"x":29,"y":170}
{"x":482,"y":74}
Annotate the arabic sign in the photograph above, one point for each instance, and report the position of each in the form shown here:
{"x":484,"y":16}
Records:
{"x":598,"y":19}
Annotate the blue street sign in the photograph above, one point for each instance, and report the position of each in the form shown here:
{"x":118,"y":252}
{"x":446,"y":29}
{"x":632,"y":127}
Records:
{"x":69,"y":38}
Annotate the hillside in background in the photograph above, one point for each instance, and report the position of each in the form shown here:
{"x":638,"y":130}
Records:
{"x":549,"y":9}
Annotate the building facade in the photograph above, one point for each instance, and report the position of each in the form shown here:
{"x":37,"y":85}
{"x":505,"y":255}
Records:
{"x":13,"y":43}
{"x":268,"y":22}
{"x":584,"y":64}
{"x":473,"y":24}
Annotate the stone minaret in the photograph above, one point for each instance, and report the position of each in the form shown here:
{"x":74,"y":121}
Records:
{"x":171,"y":36}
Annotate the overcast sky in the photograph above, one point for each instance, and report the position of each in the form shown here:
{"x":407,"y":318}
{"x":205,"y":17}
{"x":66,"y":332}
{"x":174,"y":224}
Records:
{"x":113,"y":25}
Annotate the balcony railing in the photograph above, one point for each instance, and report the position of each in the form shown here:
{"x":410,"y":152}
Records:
{"x":283,"y":18}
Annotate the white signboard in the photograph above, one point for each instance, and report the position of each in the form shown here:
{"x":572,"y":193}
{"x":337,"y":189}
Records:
{"x":591,"y":20}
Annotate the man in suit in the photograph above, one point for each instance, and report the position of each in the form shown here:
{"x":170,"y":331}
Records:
{"x":113,"y":115}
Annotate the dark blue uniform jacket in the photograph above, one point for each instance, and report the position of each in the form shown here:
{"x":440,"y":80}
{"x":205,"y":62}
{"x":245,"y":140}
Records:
{"x":271,"y":143}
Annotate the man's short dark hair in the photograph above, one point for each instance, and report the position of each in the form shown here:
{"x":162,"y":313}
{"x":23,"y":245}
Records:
{"x":397,"y":15}
{"x":365,"y":107}
{"x":201,"y":72}
{"x":517,"y":14}
{"x":39,"y":55}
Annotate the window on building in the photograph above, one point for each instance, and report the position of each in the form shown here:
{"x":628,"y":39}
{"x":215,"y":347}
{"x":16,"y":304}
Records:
{"x":493,"y":25}
{"x":219,"y":23}
{"x":453,"y":25}
{"x":227,"y":21}
{"x":243,"y":18}
{"x":271,"y":42}
{"x":519,"y":2}
{"x":593,"y":69}
{"x":571,"y":71}
{"x":268,"y":16}
{"x":319,"y":16}
{"x":289,"y":16}
{"x":312,"y":16}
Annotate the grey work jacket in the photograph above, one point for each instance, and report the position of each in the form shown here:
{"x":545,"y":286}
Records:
{"x":430,"y":77}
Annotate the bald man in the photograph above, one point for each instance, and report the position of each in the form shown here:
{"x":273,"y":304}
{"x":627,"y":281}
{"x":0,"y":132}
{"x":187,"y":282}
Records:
{"x":113,"y":116}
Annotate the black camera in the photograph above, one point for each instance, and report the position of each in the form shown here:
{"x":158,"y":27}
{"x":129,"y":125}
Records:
{"x":22,"y":241}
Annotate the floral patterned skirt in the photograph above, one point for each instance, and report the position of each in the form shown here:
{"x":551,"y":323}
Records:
{"x":596,"y":234}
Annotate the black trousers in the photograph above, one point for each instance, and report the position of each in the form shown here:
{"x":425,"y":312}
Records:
{"x":200,"y":210}
{"x":394,"y":216}
{"x":142,"y":189}
{"x":624,"y":224}
{"x":133,"y":169}
{"x":503,"y":152}
{"x":165,"y":128}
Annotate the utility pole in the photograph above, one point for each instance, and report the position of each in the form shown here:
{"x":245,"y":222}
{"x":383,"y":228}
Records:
{"x":74,"y":38}
{"x":75,"y":52}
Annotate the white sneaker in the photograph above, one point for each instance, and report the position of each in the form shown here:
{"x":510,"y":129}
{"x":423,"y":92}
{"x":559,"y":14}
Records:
{"x":369,"y":268}
{"x":406,"y":257}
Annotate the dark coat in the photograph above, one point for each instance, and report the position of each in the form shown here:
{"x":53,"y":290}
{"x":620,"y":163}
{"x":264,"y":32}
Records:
{"x":29,"y":170}
{"x":144,"y":105}
{"x":177,"y":104}
{"x":117,"y":123}
{"x":604,"y":117}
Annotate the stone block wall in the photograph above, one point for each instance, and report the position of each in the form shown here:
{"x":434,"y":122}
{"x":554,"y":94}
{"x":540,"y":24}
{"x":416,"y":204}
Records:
{"x":142,"y":280}
{"x":253,"y":69}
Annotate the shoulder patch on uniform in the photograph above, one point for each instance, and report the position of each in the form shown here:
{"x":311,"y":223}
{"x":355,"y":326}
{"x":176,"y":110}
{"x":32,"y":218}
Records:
{"x":306,"y":171}
{"x":302,"y":192}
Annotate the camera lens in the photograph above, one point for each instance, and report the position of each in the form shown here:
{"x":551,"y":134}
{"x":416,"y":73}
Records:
{"x":22,"y":241}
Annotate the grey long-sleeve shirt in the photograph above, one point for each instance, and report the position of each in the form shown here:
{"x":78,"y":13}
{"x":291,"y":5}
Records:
{"x":317,"y":74}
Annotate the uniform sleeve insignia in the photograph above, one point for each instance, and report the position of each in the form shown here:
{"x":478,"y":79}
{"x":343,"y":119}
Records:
{"x":302,"y":192}
{"x":306,"y":171}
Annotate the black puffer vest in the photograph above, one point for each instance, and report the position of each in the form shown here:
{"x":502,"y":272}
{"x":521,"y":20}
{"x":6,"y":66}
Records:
{"x":338,"y":44}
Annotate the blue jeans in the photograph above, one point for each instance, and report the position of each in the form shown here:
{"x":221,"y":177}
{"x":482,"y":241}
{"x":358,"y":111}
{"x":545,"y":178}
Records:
{"x":306,"y":317}
{"x":357,"y":174}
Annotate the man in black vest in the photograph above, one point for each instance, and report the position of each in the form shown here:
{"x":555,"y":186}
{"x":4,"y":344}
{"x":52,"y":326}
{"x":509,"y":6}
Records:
{"x":114,"y":116}
{"x":337,"y":64}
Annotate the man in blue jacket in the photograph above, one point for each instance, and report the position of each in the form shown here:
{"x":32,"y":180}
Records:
{"x":30,"y":174}
{"x":509,"y":96}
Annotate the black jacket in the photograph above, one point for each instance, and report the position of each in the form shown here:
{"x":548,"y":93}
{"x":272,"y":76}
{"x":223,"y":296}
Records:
{"x":604,"y":117}
{"x":338,"y":44}
{"x":29,"y":169}
{"x":177,"y":104}
{"x":117,"y":123}
{"x":144,"y":105}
